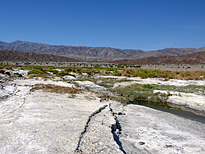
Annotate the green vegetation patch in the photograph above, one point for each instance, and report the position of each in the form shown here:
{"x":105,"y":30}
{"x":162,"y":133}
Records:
{"x":115,"y":71}
{"x":105,"y":82}
{"x":34,"y":72}
{"x":138,"y":92}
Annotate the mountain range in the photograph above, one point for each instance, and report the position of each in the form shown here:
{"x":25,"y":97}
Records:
{"x":29,"y":56}
{"x":93,"y":53}
{"x":193,"y":58}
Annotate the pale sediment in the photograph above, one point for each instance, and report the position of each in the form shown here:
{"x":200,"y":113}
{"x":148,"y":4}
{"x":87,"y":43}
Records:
{"x":44,"y":122}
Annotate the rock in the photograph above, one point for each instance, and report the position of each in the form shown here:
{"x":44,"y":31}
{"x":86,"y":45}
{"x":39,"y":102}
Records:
{"x":141,"y":143}
{"x":57,"y":79}
{"x":8,"y":72}
{"x":153,"y":131}
{"x":2,"y":71}
{"x":2,"y":76}
{"x":69,"y":78}
{"x":85,"y":74}
{"x":90,"y":86}
{"x":76,"y":75}
{"x":20,"y":72}
{"x":41,"y":122}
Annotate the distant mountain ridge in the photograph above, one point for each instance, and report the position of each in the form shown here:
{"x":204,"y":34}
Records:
{"x":193,"y":58}
{"x":92,"y":53}
{"x":29,"y":56}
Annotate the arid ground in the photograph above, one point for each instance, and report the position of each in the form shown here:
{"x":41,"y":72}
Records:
{"x":96,"y":110}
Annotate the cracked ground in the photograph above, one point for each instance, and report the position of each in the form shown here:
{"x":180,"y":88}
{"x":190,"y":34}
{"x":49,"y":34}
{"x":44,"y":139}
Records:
{"x":37,"y":122}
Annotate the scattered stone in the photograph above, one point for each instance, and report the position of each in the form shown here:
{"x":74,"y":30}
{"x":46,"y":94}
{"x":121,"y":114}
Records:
{"x":141,"y":143}
{"x":169,"y":146}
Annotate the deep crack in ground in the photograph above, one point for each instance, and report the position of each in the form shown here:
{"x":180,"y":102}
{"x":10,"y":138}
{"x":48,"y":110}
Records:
{"x":116,"y":131}
{"x":86,"y":126}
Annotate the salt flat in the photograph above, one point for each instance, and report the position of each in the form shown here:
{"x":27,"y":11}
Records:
{"x":45,"y":122}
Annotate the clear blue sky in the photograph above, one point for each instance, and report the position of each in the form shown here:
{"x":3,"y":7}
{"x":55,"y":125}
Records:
{"x":125,"y":24}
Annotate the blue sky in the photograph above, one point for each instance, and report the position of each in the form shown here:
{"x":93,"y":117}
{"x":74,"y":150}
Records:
{"x":125,"y":24}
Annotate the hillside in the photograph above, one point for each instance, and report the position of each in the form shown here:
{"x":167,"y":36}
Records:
{"x":194,"y":58}
{"x":92,"y":53}
{"x":29,"y":56}
{"x":77,"y":52}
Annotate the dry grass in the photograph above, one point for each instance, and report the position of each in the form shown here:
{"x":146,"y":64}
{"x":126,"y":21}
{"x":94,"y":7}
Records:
{"x":151,"y":73}
{"x":87,"y":71}
{"x":56,"y":89}
{"x":44,"y":76}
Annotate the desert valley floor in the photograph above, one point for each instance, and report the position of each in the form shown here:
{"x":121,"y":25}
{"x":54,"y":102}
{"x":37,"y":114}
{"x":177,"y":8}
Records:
{"x":35,"y":120}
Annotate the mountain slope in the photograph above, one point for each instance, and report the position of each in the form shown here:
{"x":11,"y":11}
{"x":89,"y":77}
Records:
{"x":92,"y":53}
{"x":29,"y":56}
{"x":169,"y":52}
{"x":194,"y":58}
{"x":78,"y":52}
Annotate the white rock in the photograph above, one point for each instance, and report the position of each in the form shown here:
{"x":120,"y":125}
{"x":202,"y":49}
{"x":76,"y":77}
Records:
{"x":68,"y":77}
{"x":85,"y":74}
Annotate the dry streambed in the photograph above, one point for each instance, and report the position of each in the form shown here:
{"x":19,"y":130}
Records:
{"x":37,"y":118}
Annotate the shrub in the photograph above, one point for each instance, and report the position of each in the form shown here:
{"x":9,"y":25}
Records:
{"x":50,"y":70}
{"x":151,"y":75}
{"x":62,"y":73}
{"x":38,"y":68}
{"x":110,"y":69}
{"x":147,"y":86}
{"x":68,"y":70}
{"x":144,"y":76}
{"x":34,"y":72}
{"x":86,"y":71}
{"x":117,"y":74}
{"x":146,"y":71}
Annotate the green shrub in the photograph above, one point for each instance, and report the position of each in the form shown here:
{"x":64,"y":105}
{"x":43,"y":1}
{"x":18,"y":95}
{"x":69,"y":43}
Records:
{"x":110,"y":69}
{"x":38,"y":68}
{"x":144,"y":76}
{"x":151,"y":75}
{"x":34,"y":72}
{"x":146,"y":71}
{"x":62,"y":73}
{"x":149,"y":86}
{"x":117,"y":74}
{"x":68,"y":70}
{"x":50,"y":70}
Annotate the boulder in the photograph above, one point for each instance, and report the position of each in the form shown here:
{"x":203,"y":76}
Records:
{"x":69,"y":78}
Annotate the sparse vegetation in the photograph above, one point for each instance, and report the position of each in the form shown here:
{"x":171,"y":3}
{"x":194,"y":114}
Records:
{"x":129,"y":94}
{"x":102,"y":70}
{"x":56,"y":89}
{"x":34,"y":72}
{"x":138,"y":92}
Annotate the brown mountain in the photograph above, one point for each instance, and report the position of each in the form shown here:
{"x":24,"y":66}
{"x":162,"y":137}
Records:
{"x":194,"y":58}
{"x":77,"y":52}
{"x":92,"y":53}
{"x":29,"y":56}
